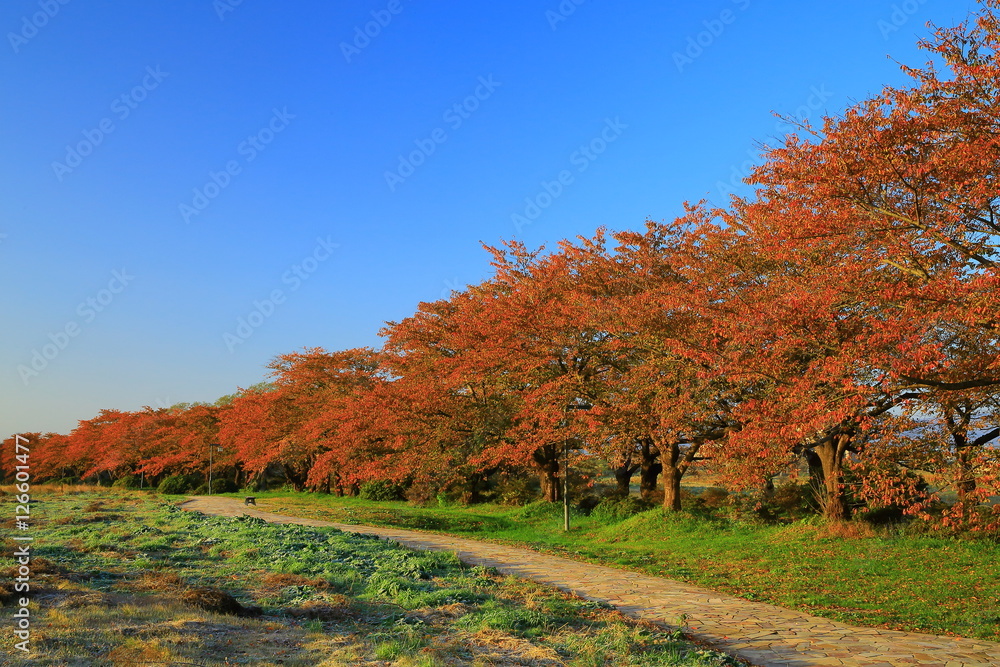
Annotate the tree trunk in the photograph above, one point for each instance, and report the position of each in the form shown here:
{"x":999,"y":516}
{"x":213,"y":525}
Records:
{"x":830,"y":456}
{"x":966,"y":484}
{"x":477,"y":481}
{"x":767,"y":493}
{"x":623,"y":479}
{"x":297,"y":480}
{"x":623,"y":475}
{"x":650,"y":469}
{"x":672,"y":474}
{"x":546,"y":462}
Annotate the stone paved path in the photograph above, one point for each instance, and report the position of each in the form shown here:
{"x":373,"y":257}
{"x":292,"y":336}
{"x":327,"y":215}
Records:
{"x":763,"y":634}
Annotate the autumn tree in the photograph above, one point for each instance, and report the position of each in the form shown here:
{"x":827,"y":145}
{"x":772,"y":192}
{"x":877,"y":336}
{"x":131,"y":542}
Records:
{"x":902,"y":191}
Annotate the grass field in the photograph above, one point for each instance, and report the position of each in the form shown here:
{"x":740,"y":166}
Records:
{"x":127,"y":579}
{"x":856,"y":574}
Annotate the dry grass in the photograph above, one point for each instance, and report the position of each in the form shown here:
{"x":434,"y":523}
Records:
{"x":274,"y":580}
{"x":144,"y":629}
{"x":158,"y":581}
{"x":847,"y":530}
{"x":341,"y":608}
{"x":492,"y":647}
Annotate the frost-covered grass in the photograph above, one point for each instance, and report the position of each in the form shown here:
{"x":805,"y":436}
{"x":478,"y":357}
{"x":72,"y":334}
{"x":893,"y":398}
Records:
{"x":117,"y":578}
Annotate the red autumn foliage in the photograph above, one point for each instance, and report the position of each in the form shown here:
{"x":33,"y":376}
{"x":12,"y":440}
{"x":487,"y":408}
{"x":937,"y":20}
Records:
{"x":843,"y":317}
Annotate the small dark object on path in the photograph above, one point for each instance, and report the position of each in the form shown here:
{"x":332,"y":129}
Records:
{"x":251,"y":500}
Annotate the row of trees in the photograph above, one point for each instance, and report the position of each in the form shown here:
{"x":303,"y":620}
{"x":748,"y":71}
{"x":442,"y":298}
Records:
{"x":846,"y":314}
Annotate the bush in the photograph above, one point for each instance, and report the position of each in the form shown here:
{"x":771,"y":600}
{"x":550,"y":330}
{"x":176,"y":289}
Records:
{"x":615,"y":509}
{"x":588,"y":502}
{"x":381,"y":490}
{"x":714,"y":497}
{"x":176,"y":484}
{"x":224,"y":486}
{"x":126,"y":482}
{"x":423,"y":491}
{"x":541,"y":509}
{"x":786,"y":503}
{"x":516,"y":489}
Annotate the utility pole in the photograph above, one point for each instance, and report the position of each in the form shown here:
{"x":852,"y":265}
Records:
{"x":565,"y":480}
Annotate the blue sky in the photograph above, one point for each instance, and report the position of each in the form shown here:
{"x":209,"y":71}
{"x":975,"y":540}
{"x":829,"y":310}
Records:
{"x":188,"y":189}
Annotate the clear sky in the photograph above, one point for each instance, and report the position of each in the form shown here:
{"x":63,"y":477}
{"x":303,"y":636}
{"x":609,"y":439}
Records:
{"x":190,"y":188}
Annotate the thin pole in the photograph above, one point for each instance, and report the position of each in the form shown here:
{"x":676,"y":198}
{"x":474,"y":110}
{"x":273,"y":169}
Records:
{"x":210,"y":448}
{"x":565,"y":477}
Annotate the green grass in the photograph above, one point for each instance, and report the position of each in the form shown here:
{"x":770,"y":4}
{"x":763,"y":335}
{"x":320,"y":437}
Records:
{"x":879,"y":578}
{"x":118,"y":578}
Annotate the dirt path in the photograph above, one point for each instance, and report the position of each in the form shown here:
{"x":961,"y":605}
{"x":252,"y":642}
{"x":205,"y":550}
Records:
{"x":763,"y":634}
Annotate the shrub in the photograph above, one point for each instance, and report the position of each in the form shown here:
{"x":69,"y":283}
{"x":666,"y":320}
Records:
{"x":615,"y":509}
{"x":516,"y":489}
{"x":175,"y":484}
{"x":714,"y":497}
{"x":588,"y":502}
{"x":126,"y":482}
{"x":787,"y":502}
{"x":541,"y":509}
{"x":224,"y":486}
{"x":381,"y":490}
{"x":423,"y":491}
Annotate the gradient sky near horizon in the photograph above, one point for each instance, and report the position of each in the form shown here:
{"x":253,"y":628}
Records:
{"x":188,"y":189}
